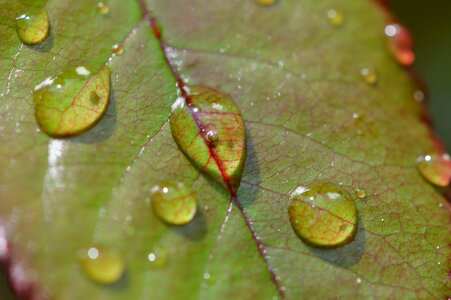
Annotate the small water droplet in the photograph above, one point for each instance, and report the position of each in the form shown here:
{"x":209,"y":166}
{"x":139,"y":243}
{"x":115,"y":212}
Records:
{"x":359,"y":280}
{"x":158,"y":257}
{"x":331,"y":222}
{"x":419,"y":96}
{"x":436,"y":169}
{"x":212,"y":138}
{"x":103,"y":8}
{"x":335,"y":17}
{"x":102,"y":265}
{"x":33,"y":27}
{"x":266,"y":2}
{"x":209,"y":278}
{"x":173,"y":202}
{"x":400,"y":43}
{"x":360,"y":193}
{"x":118,"y":49}
{"x":369,"y":76}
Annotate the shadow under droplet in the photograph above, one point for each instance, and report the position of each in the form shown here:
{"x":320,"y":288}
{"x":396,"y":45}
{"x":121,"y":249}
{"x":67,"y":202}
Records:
{"x":104,"y":129}
{"x":345,"y":256}
{"x":194,"y":230}
{"x":121,"y":284}
{"x":45,"y":46}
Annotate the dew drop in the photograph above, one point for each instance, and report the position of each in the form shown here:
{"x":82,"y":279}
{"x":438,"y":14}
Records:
{"x":212,"y":138}
{"x":400,"y":43}
{"x":72,"y":102}
{"x":359,"y":280}
{"x":266,"y":2}
{"x":103,"y":8}
{"x":323,"y":215}
{"x":118,"y":49}
{"x":33,"y":27}
{"x":419,"y":96}
{"x":158,"y":257}
{"x":102,"y":265}
{"x":369,"y":76}
{"x":436,"y":169}
{"x":360,"y":193}
{"x":335,"y":17}
{"x":173,"y":202}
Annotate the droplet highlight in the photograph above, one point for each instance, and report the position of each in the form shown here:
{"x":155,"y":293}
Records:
{"x":436,"y":169}
{"x":335,"y":17}
{"x":323,"y":215}
{"x":72,"y":102}
{"x":400,"y":43}
{"x":173,"y":202}
{"x":33,"y":27}
{"x":103,"y":8}
{"x":118,"y":49}
{"x":102,"y":265}
{"x":369,"y":76}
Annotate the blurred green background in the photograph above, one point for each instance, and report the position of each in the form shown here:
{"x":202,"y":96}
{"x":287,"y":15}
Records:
{"x":430,"y":24}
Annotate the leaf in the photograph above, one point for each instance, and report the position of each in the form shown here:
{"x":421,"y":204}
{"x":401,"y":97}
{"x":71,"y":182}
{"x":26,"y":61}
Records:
{"x":296,"y":80}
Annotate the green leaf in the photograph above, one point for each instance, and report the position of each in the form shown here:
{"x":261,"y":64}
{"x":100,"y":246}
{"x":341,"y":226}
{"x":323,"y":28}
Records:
{"x":308,"y":115}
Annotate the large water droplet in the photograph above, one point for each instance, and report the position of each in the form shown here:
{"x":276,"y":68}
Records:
{"x":369,"y":76}
{"x":209,"y":129}
{"x":158,"y":257}
{"x":335,"y":17}
{"x":400,"y":43}
{"x":436,"y":169}
{"x":173,"y":202}
{"x":102,"y":265}
{"x":33,"y":27}
{"x":323,"y":215}
{"x":72,"y":102}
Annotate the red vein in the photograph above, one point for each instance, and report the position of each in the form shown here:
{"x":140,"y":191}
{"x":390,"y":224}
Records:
{"x":154,"y":26}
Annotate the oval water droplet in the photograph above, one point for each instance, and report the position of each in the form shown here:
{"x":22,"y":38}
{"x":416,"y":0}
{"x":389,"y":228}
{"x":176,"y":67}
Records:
{"x":360,"y":193}
{"x":158,"y":257}
{"x":369,"y":76}
{"x":207,"y":126}
{"x":72,"y":102}
{"x":266,"y":2}
{"x":33,"y":27}
{"x":335,"y":17}
{"x":436,"y":169}
{"x":103,"y":8}
{"x":323,"y":215}
{"x":118,"y":49}
{"x":173,"y":202}
{"x":400,"y":43}
{"x":102,"y":265}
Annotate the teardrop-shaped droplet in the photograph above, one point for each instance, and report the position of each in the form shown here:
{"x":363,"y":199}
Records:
{"x":400,"y":43}
{"x":33,"y":27}
{"x":173,"y":202}
{"x":102,"y":265}
{"x":323,"y":215}
{"x":103,"y":8}
{"x":72,"y":102}
{"x":360,"y":193}
{"x":335,"y":17}
{"x":436,"y":169}
{"x":118,"y":49}
{"x":208,"y":127}
{"x":158,"y":257}
{"x":369,"y":76}
{"x":266,"y":2}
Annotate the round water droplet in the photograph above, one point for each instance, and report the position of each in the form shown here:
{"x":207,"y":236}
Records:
{"x":419,"y":96}
{"x":118,"y":49}
{"x":360,"y":193}
{"x":369,"y":76}
{"x":72,"y":102}
{"x":212,"y":138}
{"x":102,"y":265}
{"x":436,"y":169}
{"x":33,"y":27}
{"x":103,"y":8}
{"x":335,"y":17}
{"x":266,"y":2}
{"x":323,"y":215}
{"x":158,"y":257}
{"x":400,"y":43}
{"x":173,"y":202}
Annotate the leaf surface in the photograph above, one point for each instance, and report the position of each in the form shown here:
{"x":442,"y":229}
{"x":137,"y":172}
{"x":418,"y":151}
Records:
{"x":308,"y":116}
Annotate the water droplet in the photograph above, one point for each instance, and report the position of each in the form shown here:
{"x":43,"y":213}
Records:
{"x":102,"y":265}
{"x":332,"y":222}
{"x":33,"y":26}
{"x":436,"y":169}
{"x":335,"y":17}
{"x":118,"y":49}
{"x":158,"y":257}
{"x":209,"y":278}
{"x":419,"y":96}
{"x":369,"y":76}
{"x":359,"y":280}
{"x":209,"y":130}
{"x":72,"y":102}
{"x":103,"y":8}
{"x":400,"y":43}
{"x":360,"y":193}
{"x":173,"y":202}
{"x":266,"y":2}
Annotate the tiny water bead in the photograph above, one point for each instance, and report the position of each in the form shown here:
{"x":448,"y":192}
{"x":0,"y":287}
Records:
{"x":72,"y":102}
{"x":212,"y":138}
{"x":118,"y":49}
{"x":436,"y":169}
{"x":158,"y":257}
{"x":33,"y":27}
{"x":360,"y":193}
{"x":369,"y":76}
{"x":173,"y":202}
{"x":400,"y":43}
{"x":102,"y":265}
{"x":266,"y":2}
{"x":323,"y":215}
{"x":335,"y":17}
{"x":103,"y":8}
